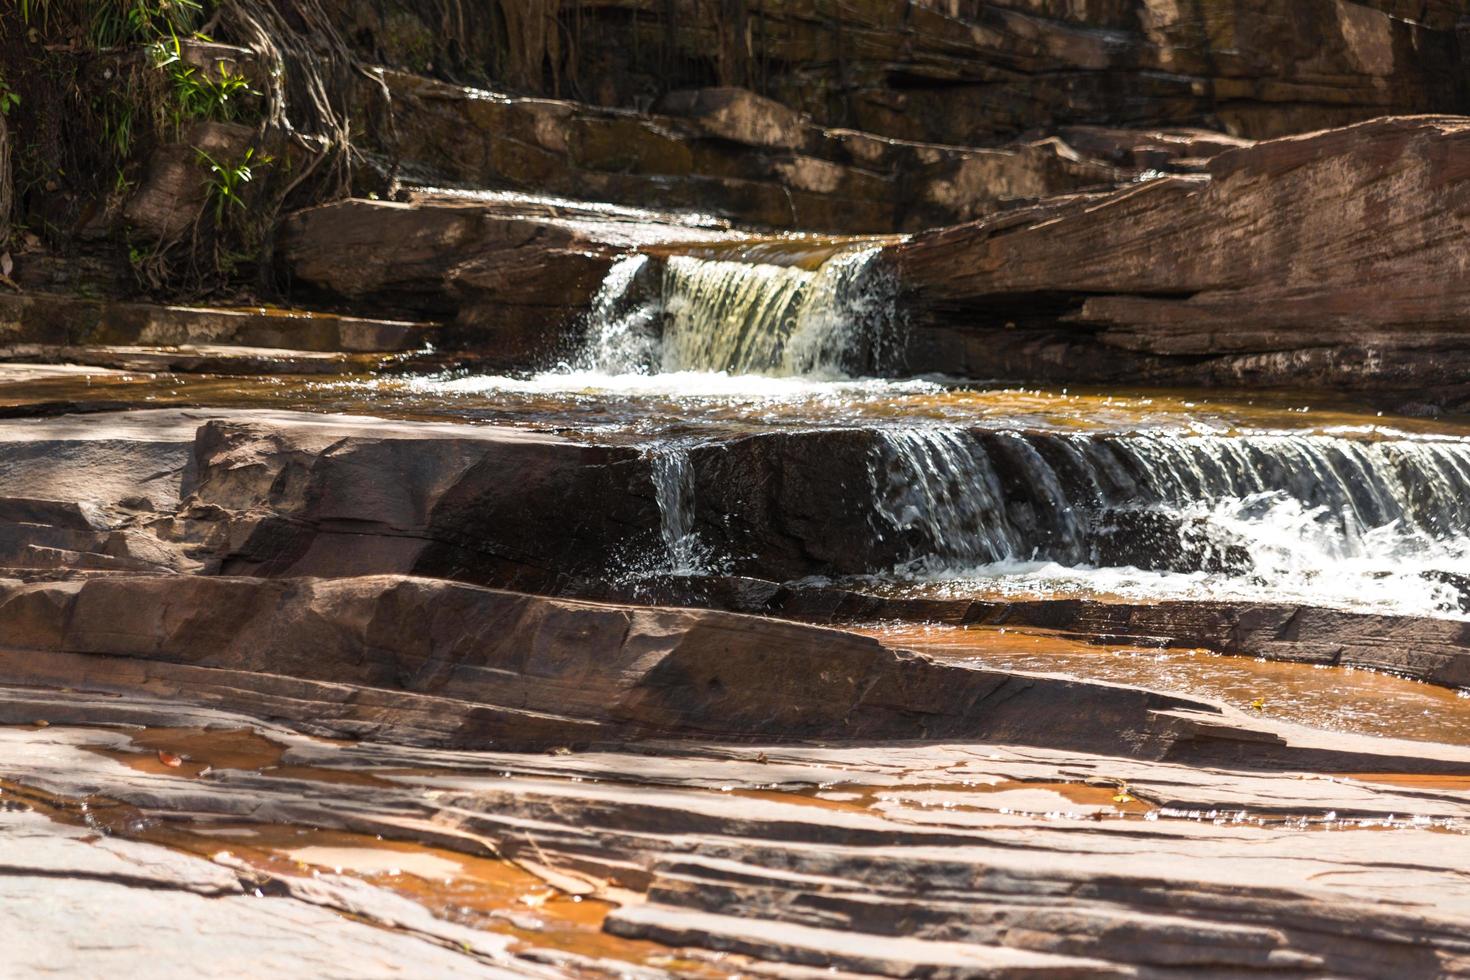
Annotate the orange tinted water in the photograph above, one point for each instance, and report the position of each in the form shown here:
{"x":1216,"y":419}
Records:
{"x":1335,"y":698}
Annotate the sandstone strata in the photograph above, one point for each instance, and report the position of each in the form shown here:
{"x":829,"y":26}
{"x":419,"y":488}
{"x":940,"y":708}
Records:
{"x":1327,"y":260}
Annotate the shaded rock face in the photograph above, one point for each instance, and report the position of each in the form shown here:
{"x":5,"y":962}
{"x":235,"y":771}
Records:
{"x":1324,"y":261}
{"x":315,"y":503}
{"x":278,"y":494}
{"x":968,"y":72}
{"x":721,"y":151}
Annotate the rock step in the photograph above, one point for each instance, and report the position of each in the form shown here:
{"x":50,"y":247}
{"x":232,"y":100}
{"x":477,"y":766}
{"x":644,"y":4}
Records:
{"x":68,"y":320}
{"x":731,"y":152}
{"x":287,"y":494}
{"x":428,"y":661}
{"x":1435,"y":651}
{"x":225,"y":359}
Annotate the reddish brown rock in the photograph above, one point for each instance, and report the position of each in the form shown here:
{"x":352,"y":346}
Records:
{"x":1328,"y":260}
{"x":966,"y":72}
{"x":726,"y":152}
{"x":510,"y":282}
{"x":528,"y":670}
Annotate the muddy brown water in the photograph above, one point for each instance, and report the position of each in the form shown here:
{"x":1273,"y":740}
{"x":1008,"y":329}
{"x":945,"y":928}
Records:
{"x":1335,"y":698}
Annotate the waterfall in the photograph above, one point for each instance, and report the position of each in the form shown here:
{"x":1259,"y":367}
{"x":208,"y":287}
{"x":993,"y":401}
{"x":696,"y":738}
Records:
{"x":1310,"y":512}
{"x":745,"y":318}
{"x":621,"y":336}
{"x":673,"y":488}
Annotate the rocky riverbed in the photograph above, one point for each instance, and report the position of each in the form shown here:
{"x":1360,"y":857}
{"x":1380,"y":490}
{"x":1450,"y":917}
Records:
{"x":928,"y":489}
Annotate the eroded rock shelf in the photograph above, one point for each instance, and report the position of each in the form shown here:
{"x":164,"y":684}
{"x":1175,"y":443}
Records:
{"x":916,"y":489}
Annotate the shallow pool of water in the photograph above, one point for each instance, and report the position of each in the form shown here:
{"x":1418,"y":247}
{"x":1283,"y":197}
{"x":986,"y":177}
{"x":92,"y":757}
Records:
{"x":1335,"y":698}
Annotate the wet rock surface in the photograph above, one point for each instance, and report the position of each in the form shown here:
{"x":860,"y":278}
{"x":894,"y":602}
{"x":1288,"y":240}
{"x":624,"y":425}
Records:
{"x":458,"y":515}
{"x":781,"y":851}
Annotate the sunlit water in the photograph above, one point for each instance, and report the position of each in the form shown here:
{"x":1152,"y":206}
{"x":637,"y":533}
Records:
{"x":999,"y":490}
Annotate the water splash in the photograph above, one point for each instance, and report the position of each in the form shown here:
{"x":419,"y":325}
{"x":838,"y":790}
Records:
{"x":622,"y":331}
{"x":1285,"y":517}
{"x":673,"y":487}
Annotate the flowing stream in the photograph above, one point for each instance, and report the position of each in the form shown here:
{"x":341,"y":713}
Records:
{"x":741,"y":318}
{"x":989,"y":492}
{"x":965,"y":488}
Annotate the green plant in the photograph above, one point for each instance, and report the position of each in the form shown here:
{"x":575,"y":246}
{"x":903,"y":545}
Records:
{"x":110,"y":23}
{"x":197,"y":93}
{"x":226,"y":182}
{"x":8,"y":98}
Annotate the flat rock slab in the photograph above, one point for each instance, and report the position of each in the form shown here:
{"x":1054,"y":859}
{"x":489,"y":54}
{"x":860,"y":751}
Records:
{"x":75,"y":905}
{"x":62,"y":320}
{"x":202,"y":359}
{"x":888,"y":859}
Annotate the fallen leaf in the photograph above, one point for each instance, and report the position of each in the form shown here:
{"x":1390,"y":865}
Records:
{"x":1122,"y":798}
{"x":7,"y":264}
{"x":169,"y":759}
{"x":1258,"y":704}
{"x":40,"y":723}
{"x":761,"y":758}
{"x":561,"y":750}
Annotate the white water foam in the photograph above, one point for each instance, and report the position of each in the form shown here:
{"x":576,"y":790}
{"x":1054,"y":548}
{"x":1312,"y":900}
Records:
{"x":1312,"y":519}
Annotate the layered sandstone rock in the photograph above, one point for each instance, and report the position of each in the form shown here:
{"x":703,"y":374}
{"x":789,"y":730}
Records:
{"x":916,"y":858}
{"x":722,"y":151}
{"x":1326,"y":261}
{"x":962,"y":72}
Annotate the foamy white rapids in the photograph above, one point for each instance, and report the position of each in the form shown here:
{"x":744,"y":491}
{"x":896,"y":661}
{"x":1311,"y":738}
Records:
{"x":684,"y":385}
{"x":1381,"y":526}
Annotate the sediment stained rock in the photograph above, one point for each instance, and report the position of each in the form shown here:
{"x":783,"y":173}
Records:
{"x":898,"y":858}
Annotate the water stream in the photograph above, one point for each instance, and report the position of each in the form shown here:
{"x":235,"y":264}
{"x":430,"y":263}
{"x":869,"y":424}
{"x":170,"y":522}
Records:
{"x":737,"y":318}
{"x":986,"y":488}
{"x":1381,"y":524}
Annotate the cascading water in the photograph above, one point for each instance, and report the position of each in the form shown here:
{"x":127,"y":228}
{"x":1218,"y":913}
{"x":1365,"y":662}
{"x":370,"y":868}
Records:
{"x":743,"y":318}
{"x":673,"y":488}
{"x":1305,"y":517}
{"x":682,"y":350}
{"x":622,"y":335}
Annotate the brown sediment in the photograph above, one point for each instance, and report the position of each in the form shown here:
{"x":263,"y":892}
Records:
{"x":962,"y":796}
{"x":194,"y":752}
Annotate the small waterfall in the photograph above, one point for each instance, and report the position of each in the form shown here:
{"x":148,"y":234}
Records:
{"x":944,"y":486}
{"x":1312,"y":512}
{"x":745,"y":318}
{"x":622,"y":332}
{"x":673,"y":488}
